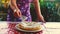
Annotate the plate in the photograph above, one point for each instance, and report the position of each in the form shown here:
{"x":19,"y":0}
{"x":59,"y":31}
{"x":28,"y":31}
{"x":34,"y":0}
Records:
{"x":27,"y":30}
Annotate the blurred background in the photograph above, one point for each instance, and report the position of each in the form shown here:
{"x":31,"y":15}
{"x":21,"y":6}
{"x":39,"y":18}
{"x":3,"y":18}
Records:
{"x":50,"y":10}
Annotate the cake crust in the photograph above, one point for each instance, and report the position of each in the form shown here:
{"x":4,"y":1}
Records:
{"x":30,"y":26}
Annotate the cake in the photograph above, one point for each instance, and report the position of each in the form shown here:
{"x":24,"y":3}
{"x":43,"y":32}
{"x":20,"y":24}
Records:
{"x":31,"y":26}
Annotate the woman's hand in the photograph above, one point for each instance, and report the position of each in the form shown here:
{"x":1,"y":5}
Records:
{"x":17,"y":13}
{"x":14,"y":7}
{"x":41,"y":18}
{"x":38,"y":11}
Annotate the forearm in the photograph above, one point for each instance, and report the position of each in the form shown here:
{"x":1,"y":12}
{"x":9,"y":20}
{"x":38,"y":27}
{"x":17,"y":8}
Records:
{"x":13,"y":4}
{"x":38,"y":11}
{"x":37,"y":7}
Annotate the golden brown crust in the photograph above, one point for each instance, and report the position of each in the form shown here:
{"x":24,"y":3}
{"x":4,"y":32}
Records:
{"x":29,"y":29}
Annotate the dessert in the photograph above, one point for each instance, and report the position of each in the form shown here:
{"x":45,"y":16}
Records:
{"x":32,"y":26}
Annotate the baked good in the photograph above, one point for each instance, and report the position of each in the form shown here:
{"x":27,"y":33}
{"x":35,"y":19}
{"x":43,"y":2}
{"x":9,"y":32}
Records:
{"x":31,"y":26}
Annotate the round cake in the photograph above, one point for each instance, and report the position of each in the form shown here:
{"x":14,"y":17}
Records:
{"x":31,"y":26}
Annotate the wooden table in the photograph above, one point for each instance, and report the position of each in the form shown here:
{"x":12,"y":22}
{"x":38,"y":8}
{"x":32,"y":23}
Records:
{"x":9,"y":28}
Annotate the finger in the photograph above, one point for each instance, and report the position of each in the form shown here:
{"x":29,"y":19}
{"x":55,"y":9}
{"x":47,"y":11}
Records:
{"x":20,"y":14}
{"x":16,"y":15}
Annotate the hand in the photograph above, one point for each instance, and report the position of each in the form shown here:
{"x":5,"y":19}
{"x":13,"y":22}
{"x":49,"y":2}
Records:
{"x":17,"y":13}
{"x":41,"y":18}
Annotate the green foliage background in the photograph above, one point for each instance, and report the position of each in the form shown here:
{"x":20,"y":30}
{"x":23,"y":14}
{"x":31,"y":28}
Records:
{"x":49,"y":10}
